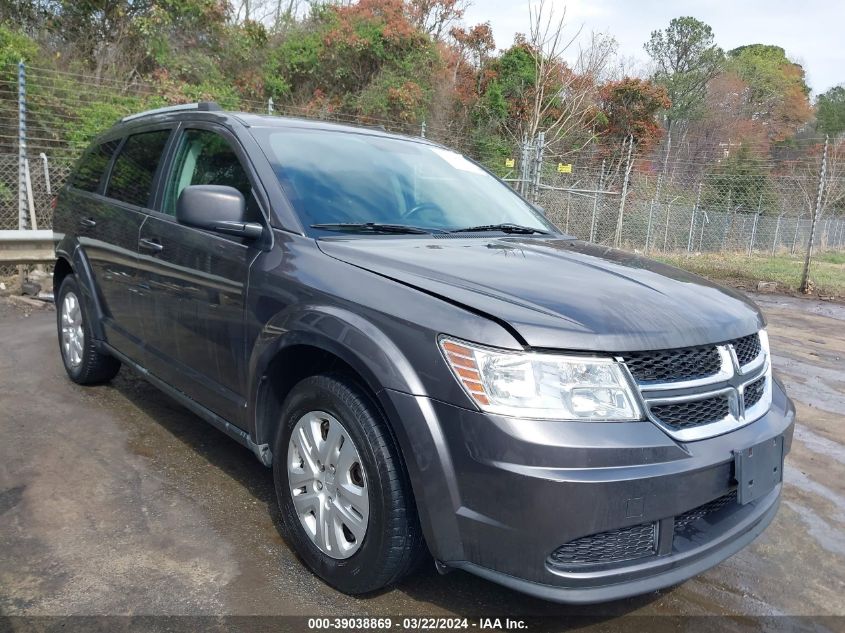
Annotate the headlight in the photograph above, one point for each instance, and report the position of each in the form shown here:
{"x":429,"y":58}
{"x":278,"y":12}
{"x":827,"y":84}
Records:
{"x":531,"y":385}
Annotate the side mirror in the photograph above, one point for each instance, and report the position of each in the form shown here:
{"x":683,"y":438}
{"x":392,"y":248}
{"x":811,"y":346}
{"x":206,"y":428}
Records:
{"x":216,"y":208}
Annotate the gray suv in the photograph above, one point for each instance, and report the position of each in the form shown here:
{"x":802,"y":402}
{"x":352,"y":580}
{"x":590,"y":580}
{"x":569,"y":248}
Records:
{"x":426,"y":363}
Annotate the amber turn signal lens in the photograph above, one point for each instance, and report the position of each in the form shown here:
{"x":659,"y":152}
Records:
{"x":462,"y":361}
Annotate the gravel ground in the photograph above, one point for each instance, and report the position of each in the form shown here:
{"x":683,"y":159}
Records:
{"x":116,"y":500}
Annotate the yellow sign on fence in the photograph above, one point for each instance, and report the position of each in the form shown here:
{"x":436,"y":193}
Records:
{"x":510,"y":162}
{"x":564,"y":169}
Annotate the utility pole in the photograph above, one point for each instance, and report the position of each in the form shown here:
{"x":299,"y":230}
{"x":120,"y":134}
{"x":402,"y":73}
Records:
{"x":422,"y":129}
{"x":22,"y":198}
{"x":805,"y":277}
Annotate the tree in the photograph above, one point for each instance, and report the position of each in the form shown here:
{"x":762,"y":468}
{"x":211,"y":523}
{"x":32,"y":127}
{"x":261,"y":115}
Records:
{"x":561,"y":100}
{"x":629,"y":107}
{"x":686,"y":59}
{"x":531,"y":88}
{"x":830,"y":111}
{"x":15,"y":46}
{"x":739,"y":184}
{"x":474,"y":44}
{"x":777,"y":96}
{"x":365,"y":58}
{"x":467,"y":57}
{"x":722,"y":127}
{"x":436,"y":17}
{"x":833,"y":196}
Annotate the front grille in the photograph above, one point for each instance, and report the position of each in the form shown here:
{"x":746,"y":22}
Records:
{"x":683,"y":521}
{"x":747,"y":348}
{"x":688,"y":363}
{"x":614,"y":546}
{"x":754,"y":392}
{"x":691,"y":387}
{"x":672,"y":365}
{"x":692,"y":413}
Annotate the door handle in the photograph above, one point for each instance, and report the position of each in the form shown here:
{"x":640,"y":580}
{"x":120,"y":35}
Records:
{"x":153,"y":246}
{"x":87,"y":223}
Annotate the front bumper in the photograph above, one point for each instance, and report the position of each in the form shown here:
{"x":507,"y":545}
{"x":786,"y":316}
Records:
{"x":497,"y":496}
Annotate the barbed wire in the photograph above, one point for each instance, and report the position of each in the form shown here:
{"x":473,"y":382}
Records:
{"x":691,"y":200}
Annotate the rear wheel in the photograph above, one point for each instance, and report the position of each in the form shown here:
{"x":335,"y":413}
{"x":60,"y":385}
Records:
{"x":83,"y":362}
{"x":345,"y":499}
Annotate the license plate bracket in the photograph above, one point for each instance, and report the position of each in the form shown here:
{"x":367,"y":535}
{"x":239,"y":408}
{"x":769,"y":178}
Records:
{"x":758,"y":469}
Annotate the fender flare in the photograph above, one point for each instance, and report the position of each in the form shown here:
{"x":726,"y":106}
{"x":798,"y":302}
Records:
{"x":81,"y":268}
{"x":345,"y":334}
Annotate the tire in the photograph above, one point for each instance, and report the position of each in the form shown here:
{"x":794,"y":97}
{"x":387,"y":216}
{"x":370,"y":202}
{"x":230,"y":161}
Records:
{"x":392,"y":543}
{"x":84,"y":364}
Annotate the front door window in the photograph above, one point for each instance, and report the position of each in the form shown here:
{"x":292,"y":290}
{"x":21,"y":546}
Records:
{"x":206,"y":158}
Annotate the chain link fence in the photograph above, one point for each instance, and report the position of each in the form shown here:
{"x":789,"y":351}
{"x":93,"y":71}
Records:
{"x":641,"y":203}
{"x":8,"y":191}
{"x":690,"y":216}
{"x":46,"y":177}
{"x":42,"y":178}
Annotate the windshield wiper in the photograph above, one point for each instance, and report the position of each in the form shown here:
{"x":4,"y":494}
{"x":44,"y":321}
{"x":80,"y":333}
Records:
{"x":372,"y":227}
{"x":505,"y":227}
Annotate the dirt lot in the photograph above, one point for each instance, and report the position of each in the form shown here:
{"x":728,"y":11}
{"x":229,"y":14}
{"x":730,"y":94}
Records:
{"x":115,"y":500}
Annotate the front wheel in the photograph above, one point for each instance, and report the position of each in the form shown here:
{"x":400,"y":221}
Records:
{"x":345,"y":499}
{"x":84,"y":363}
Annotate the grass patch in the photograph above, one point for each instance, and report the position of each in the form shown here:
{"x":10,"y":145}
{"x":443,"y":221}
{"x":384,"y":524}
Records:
{"x":827,"y":270}
{"x":831,"y":257}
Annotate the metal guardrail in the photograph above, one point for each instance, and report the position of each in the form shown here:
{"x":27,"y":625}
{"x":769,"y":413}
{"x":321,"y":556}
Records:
{"x":26,"y":247}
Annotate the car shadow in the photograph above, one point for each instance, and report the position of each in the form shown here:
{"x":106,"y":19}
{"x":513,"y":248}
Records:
{"x":457,"y":592}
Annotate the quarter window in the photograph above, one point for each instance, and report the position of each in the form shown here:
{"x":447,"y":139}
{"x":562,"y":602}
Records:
{"x":131,"y":177}
{"x":206,"y":158}
{"x":93,"y":164}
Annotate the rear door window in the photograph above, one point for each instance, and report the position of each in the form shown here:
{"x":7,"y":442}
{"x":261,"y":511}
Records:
{"x":92,"y":166}
{"x":131,"y":178}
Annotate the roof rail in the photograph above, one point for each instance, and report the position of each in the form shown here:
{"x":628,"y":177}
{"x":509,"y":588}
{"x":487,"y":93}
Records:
{"x":202,"y":106}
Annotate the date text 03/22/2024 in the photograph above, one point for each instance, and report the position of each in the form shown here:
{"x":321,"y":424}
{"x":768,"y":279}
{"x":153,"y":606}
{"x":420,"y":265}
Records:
{"x":416,"y":624}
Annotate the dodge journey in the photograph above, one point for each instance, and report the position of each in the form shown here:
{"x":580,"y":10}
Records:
{"x":427,"y":364}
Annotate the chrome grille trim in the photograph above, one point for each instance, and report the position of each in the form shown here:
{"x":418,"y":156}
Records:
{"x":730,"y":382}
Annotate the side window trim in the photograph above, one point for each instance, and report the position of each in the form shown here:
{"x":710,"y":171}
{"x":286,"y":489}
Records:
{"x":164,"y":166}
{"x":104,"y":179}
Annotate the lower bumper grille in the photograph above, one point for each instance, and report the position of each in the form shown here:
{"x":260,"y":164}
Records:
{"x":635,"y":542}
{"x":683,"y":521}
{"x":614,"y":546}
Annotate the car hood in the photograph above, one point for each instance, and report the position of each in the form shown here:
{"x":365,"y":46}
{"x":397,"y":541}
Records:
{"x":560,"y":293}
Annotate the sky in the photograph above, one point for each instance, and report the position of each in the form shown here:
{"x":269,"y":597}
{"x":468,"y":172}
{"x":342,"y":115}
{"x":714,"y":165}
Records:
{"x":809,"y":30}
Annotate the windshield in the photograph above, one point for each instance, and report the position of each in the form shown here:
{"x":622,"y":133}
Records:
{"x":344,"y":178}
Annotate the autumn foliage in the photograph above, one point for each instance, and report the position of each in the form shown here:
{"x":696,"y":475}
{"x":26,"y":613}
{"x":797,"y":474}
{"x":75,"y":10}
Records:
{"x":629,"y":107}
{"x":402,"y":62}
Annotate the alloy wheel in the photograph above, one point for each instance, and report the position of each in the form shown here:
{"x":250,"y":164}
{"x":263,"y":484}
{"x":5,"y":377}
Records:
{"x":73,"y":334}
